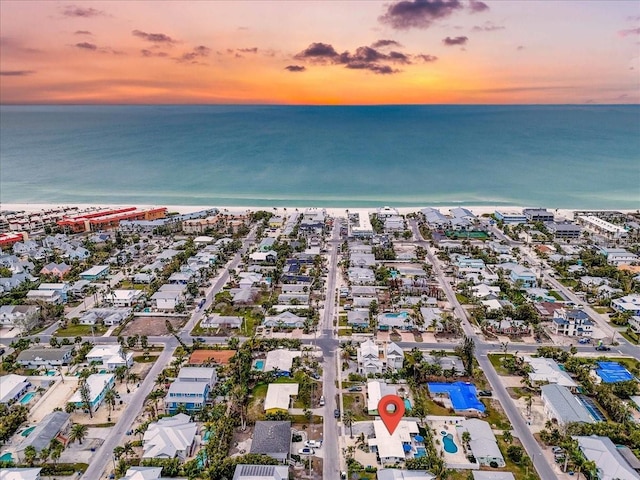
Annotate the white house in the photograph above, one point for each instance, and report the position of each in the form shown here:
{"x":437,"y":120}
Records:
{"x":628,"y":303}
{"x":170,"y":437}
{"x":125,"y":298}
{"x":13,"y":387}
{"x":611,"y":465}
{"x":284,"y":320}
{"x":390,"y":448}
{"x":369,"y":358}
{"x":483,"y":443}
{"x":23,"y":316}
{"x":547,"y":370}
{"x":571,"y":323}
{"x":395,"y":356}
{"x":198,"y":374}
{"x":375,"y":391}
{"x":110,"y":356}
{"x":279,"y":396}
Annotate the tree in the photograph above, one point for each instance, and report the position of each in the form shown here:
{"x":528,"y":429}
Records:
{"x":85,"y":395}
{"x":120,"y":372}
{"x":30,"y":455}
{"x":514,"y":452}
{"x":78,"y":432}
{"x":467,"y":353}
{"x":110,"y":400}
{"x":118,"y":452}
{"x":348,"y":418}
{"x":507,"y":437}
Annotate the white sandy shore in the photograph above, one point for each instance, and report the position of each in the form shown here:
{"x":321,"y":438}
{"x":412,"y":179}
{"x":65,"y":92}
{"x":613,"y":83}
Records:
{"x":333,"y":211}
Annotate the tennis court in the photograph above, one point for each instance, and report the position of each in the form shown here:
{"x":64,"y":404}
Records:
{"x":613,"y":372}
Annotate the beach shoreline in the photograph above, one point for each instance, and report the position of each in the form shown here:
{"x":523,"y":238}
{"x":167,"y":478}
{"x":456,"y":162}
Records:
{"x":332,"y":211}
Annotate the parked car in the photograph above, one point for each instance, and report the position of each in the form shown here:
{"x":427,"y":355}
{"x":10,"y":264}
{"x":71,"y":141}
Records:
{"x":584,"y":340}
{"x":313,"y":444}
{"x":306,"y":451}
{"x":557,"y":449}
{"x":322,"y":401}
{"x":201,"y":340}
{"x":336,"y":413}
{"x":603,"y":348}
{"x":485,"y":393}
{"x":355,"y":389}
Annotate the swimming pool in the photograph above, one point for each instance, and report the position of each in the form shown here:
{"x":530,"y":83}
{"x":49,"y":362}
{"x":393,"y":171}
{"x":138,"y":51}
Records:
{"x":449,"y":445}
{"x":407,"y":404}
{"x":50,"y":373}
{"x":259,"y":365}
{"x":6,"y":457}
{"x":27,"y":398}
{"x":420,"y":452}
{"x":28,"y":431}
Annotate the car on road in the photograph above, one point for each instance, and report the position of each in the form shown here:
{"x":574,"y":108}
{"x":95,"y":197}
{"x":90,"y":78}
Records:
{"x":322,"y":401}
{"x":201,"y":339}
{"x":313,"y":444}
{"x":485,"y":393}
{"x":306,"y":451}
{"x":584,"y":340}
{"x":603,"y":348}
{"x":355,"y":389}
{"x":336,"y":413}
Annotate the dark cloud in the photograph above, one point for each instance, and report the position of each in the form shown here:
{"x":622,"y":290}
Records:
{"x":476,"y":6}
{"x":318,"y":52}
{"x":86,"y":46}
{"x":386,"y":43}
{"x":399,"y":57}
{"x":149,"y":53}
{"x":82,"y":32}
{"x":16,"y":73}
{"x":373,"y":67}
{"x":248,"y":50}
{"x":75,"y":11}
{"x":295,"y":68}
{"x":197,"y":52}
{"x":629,"y":31}
{"x":449,"y":41}
{"x":427,"y":58}
{"x":363,"y":54}
{"x":520,"y":47}
{"x":487,"y":27}
{"x":407,"y":14}
{"x":154,"y":37}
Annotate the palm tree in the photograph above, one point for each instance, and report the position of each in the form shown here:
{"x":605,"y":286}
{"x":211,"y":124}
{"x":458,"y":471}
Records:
{"x":507,"y":437}
{"x":120,"y":372}
{"x":348,"y":418}
{"x":56,"y":449}
{"x":44,"y":455}
{"x":78,"y":432}
{"x":30,"y":455}
{"x":127,"y":449}
{"x":133,"y":377}
{"x":118,"y":452}
{"x":85,"y":395}
{"x":110,"y":400}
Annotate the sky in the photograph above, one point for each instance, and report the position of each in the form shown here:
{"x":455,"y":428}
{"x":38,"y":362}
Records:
{"x":320,"y":52}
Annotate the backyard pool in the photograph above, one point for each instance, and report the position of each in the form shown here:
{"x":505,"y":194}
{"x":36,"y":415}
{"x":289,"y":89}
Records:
{"x":449,"y":445}
{"x":6,"y":457}
{"x":50,"y":373}
{"x":28,"y":431}
{"x":259,"y":365}
{"x":407,"y":404}
{"x":420,"y":452}
{"x":27,"y":398}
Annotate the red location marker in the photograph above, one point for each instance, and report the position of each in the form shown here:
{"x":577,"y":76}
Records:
{"x":391,"y":419}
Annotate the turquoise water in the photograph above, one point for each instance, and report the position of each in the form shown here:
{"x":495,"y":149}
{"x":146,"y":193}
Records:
{"x":448,"y":443}
{"x":6,"y":457}
{"x":50,"y":373}
{"x":571,"y":156}
{"x":27,"y":431}
{"x":207,"y":434}
{"x":259,"y":365}
{"x":420,"y":452}
{"x":27,"y":398}
{"x":407,"y":404}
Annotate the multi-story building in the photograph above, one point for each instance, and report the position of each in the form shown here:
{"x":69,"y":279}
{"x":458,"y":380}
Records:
{"x":571,"y":323}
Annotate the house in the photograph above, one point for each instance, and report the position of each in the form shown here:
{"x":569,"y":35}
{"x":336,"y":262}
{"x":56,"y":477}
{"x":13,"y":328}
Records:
{"x":571,"y":323}
{"x":279,"y":396}
{"x":358,"y":318}
{"x":280,"y":361}
{"x":507,"y":326}
{"x":510,"y":217}
{"x":485,"y":292}
{"x":363,"y":260}
{"x":170,"y":437}
{"x":395,"y":356}
{"x":484,"y":475}
{"x":394,"y":224}
{"x":261,"y":472}
{"x":521,"y":275}
{"x":375,"y":391}
{"x":538,"y":215}
{"x":190,"y":396}
{"x":98,"y":384}
{"x":144,"y":278}
{"x":483,"y":443}
{"x":546,"y":370}
{"x":20,"y":474}
{"x":369,"y":360}
{"x":397,"y":474}
{"x":618,"y":256}
{"x":56,"y":269}
{"x":12,"y":388}
{"x":53,"y":425}
{"x":284,"y":320}
{"x":23,"y":316}
{"x":628,"y":303}
{"x":208,"y":375}
{"x":435,"y":218}
{"x":394,"y":320}
{"x":110,"y":356}
{"x":361,"y":276}
{"x":264,"y":257}
{"x":45,"y":357}
{"x":565,"y":231}
{"x":432,"y":318}
{"x":562,"y":406}
{"x":167,"y":299}
{"x":610,"y":463}
{"x":146,"y":473}
{"x":47,"y":296}
{"x":95,"y":273}
{"x":272,"y":438}
{"x":391,"y":447}
{"x":222,"y":321}
{"x":293,"y":298}
{"x":125,"y":298}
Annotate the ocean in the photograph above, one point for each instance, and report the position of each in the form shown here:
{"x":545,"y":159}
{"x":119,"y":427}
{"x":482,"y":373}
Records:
{"x":330,"y":156}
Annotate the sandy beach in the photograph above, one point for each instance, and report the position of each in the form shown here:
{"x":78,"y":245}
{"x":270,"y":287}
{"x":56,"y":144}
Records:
{"x":333,"y":211}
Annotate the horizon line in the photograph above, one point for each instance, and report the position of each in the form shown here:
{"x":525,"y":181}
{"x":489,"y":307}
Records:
{"x":80,"y":104}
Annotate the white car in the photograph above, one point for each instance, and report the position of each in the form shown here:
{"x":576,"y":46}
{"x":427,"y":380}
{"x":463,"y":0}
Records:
{"x":306,"y":451}
{"x":313,"y":444}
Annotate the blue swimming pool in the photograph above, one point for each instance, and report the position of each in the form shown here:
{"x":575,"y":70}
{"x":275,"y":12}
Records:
{"x":259,"y":365}
{"x":407,"y":404}
{"x":28,"y":431}
{"x":6,"y":457}
{"x":420,"y":452}
{"x":50,"y":373}
{"x":449,"y":445}
{"x":27,"y":398}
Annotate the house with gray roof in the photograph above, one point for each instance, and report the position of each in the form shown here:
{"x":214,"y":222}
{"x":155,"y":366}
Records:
{"x":261,"y":472}
{"x":483,"y":443}
{"x":610,"y":463}
{"x":562,"y":405}
{"x":284,"y":320}
{"x":480,"y":475}
{"x":397,"y":474}
{"x":40,"y":356}
{"x":358,"y":318}
{"x":20,"y":474}
{"x":272,"y":438}
{"x":24,"y":316}
{"x":52,"y":425}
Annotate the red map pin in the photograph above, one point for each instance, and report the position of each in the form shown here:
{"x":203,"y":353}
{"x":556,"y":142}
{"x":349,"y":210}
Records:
{"x":391,"y":419}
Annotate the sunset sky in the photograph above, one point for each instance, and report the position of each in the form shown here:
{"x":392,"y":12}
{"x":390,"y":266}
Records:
{"x":320,"y":52}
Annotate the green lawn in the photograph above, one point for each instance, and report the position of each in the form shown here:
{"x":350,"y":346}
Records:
{"x":462,"y":299}
{"x":80,"y":330}
{"x":520,"y":471}
{"x":629,"y":338}
{"x":556,"y":295}
{"x":143,"y":359}
{"x":496,"y":361}
{"x":495,"y":417}
{"x":355,"y":402}
{"x":602,"y":310}
{"x":434,"y":409}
